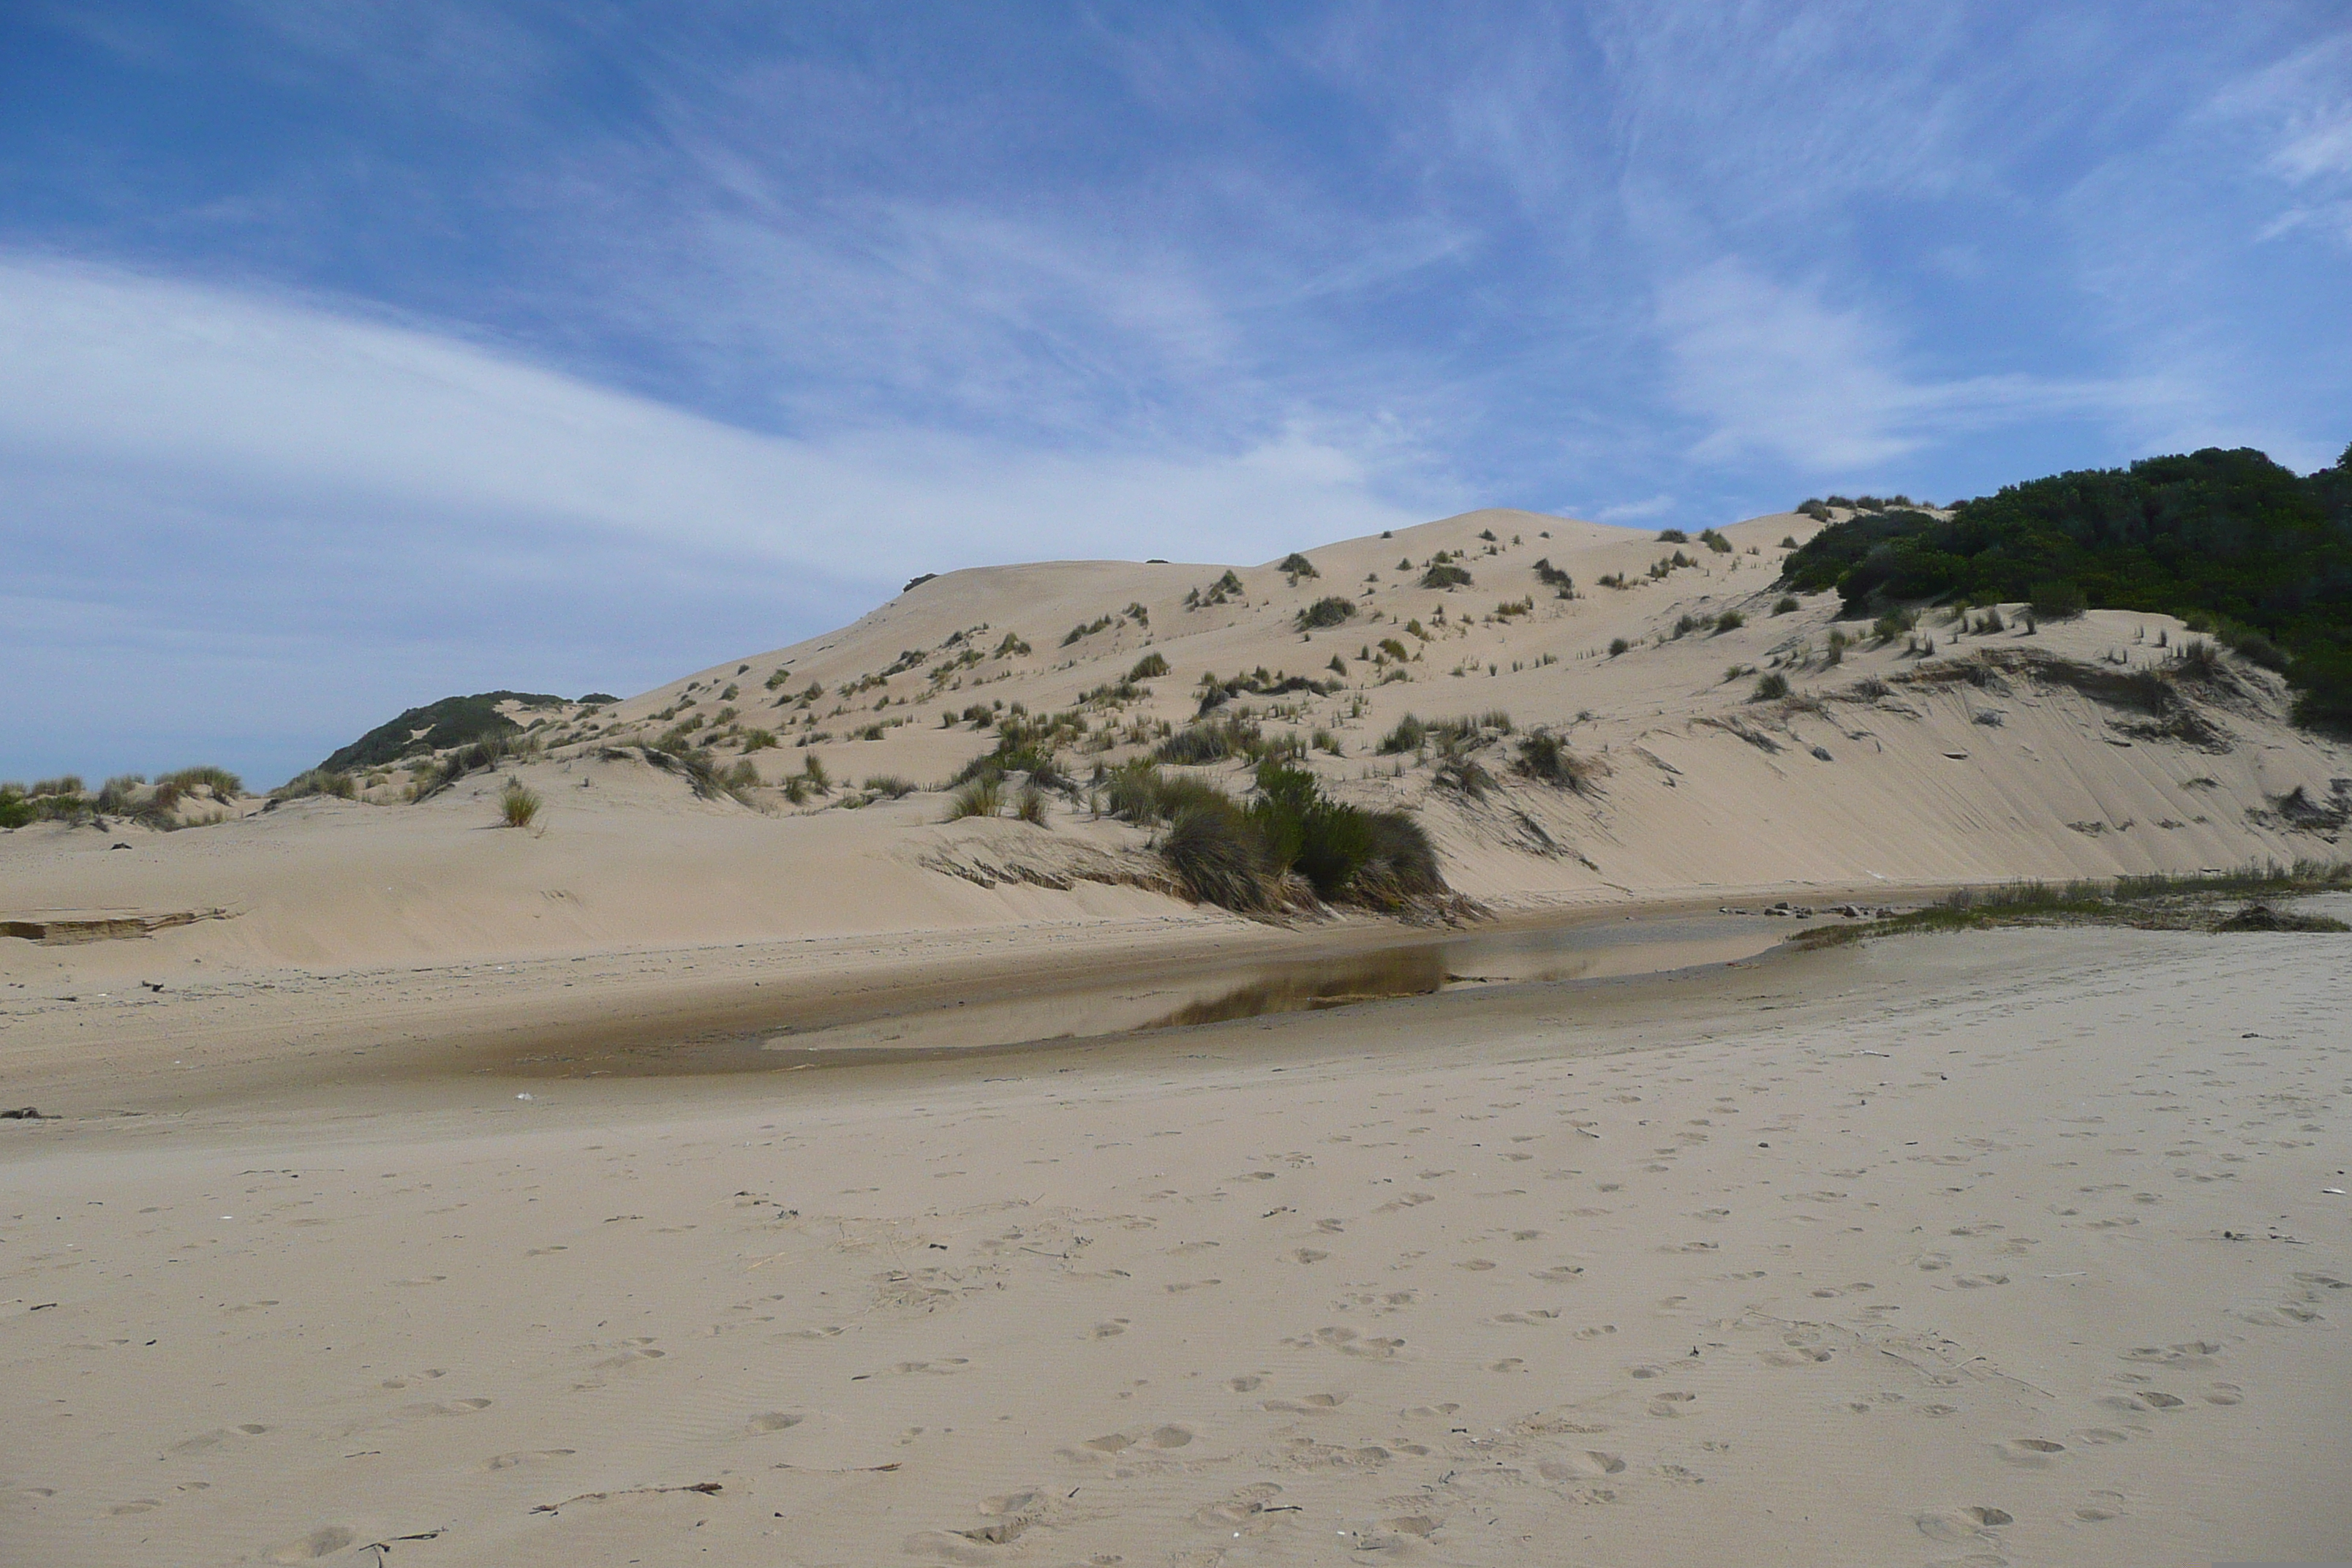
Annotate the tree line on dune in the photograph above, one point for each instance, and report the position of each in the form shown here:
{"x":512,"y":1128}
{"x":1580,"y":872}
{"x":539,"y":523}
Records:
{"x":2227,"y":541}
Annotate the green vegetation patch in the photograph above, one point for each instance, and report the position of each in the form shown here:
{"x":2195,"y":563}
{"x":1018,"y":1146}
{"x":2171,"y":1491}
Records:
{"x":2228,"y":540}
{"x":436,"y":727}
{"x":2155,"y":902}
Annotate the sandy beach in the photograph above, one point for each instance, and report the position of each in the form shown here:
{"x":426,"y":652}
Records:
{"x":2012,"y":1247}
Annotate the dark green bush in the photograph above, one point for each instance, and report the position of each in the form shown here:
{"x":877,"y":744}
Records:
{"x":1618,"y":646}
{"x":15,"y":811}
{"x":1148,"y":667}
{"x":1295,"y":566}
{"x":1770,"y":688}
{"x":1445,"y":576}
{"x":1325,"y":612}
{"x":2055,"y":599}
{"x":2227,"y":535}
{"x":452,"y":721}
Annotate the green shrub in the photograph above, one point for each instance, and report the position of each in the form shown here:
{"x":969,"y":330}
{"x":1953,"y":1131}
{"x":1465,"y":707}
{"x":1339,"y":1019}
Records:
{"x":1618,"y":646}
{"x":1325,"y":612}
{"x":1729,"y":621}
{"x":1785,"y":604}
{"x":452,"y":721}
{"x":1445,"y":576}
{"x":15,"y":811}
{"x":518,"y":806}
{"x":1770,"y":688}
{"x":1295,"y":566}
{"x":1715,"y":541}
{"x":1673,"y":536}
{"x":2057,"y":599}
{"x":1147,"y":667}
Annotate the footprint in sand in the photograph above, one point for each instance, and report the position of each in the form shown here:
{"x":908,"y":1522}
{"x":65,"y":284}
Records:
{"x":427,"y":1375}
{"x":508,"y":1461}
{"x":136,"y":1505}
{"x":2031,"y":1453}
{"x":2100,"y":1507}
{"x":1960,"y":1523}
{"x":1671,"y":1405}
{"x":1169,"y":1436}
{"x":1582,"y":1466}
{"x":1246,"y":1509}
{"x":1308,"y":1255}
{"x":323,"y":1542}
{"x":775,"y":1420}
{"x":1243,"y":1385}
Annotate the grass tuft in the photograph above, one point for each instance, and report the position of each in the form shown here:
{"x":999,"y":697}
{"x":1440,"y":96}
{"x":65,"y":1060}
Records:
{"x":518,"y":806}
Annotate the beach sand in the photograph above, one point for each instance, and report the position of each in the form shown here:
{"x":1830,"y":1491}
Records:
{"x":2001,"y":1247}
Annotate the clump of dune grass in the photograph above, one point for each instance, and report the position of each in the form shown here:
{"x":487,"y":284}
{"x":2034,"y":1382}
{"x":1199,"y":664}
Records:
{"x":220,"y":781}
{"x":1544,"y":755}
{"x":984,"y":796}
{"x":1148,"y":667}
{"x":1253,"y":858}
{"x":2156,"y":900}
{"x":519,"y":805}
{"x":1770,"y":688}
{"x":1030,"y":804}
{"x":891,"y":785}
{"x":1410,"y":735}
{"x":318,"y":781}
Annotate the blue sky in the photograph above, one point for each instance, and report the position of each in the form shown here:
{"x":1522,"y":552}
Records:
{"x":354,"y":354}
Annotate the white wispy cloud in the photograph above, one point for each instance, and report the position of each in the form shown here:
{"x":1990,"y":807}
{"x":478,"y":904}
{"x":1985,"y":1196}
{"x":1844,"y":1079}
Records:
{"x":194,"y":473}
{"x":1773,"y":367}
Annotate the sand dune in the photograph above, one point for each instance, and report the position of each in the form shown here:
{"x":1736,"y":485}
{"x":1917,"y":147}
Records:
{"x":357,"y":1236}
